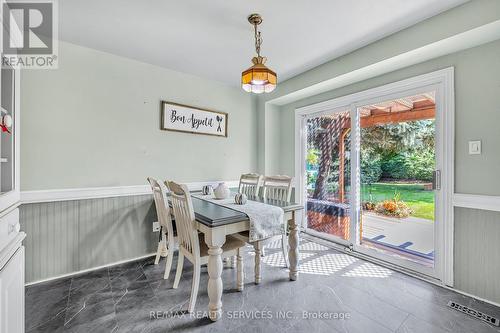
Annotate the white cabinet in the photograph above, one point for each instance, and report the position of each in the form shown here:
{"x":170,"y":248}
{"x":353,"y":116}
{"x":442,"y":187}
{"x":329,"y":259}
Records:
{"x":9,"y":227}
{"x":11,"y":249}
{"x":12,"y":294}
{"x":10,"y":87}
{"x":9,"y":142}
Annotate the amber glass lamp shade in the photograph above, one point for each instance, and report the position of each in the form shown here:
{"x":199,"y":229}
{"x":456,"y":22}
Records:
{"x":258,"y":78}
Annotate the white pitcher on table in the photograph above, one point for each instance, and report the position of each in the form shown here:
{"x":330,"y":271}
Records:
{"x":222,"y":191}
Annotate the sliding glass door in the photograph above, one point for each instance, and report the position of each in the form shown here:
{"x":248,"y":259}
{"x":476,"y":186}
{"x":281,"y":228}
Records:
{"x":370,"y":175}
{"x":397,"y":180}
{"x":328,"y":174}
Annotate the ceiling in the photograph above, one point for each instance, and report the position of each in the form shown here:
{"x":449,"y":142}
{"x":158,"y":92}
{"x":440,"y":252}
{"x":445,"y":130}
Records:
{"x":213,"y":39}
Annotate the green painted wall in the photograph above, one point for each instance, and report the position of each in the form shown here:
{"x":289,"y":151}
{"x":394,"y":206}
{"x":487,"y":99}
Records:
{"x":273,"y":151}
{"x":477,"y":115}
{"x":95,"y":122}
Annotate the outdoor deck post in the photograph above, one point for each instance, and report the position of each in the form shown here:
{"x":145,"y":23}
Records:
{"x":344,"y":133}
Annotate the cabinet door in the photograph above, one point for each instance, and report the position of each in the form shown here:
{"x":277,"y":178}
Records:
{"x":9,"y":141}
{"x":12,"y":294}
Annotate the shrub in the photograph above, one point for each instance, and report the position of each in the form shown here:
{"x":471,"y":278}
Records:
{"x":311,"y":177}
{"x":394,"y":167}
{"x":313,"y":157}
{"x":368,"y":205}
{"x":409,"y":165}
{"x":420,"y":165}
{"x":395,"y":207}
{"x":371,"y":167}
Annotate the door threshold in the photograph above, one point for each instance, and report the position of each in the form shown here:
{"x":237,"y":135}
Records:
{"x":414,"y":256}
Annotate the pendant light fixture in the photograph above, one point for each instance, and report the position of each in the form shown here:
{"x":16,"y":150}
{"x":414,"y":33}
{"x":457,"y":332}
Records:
{"x":258,"y":78}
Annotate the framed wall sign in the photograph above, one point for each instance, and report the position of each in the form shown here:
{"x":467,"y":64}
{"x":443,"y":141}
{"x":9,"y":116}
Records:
{"x":184,"y":118}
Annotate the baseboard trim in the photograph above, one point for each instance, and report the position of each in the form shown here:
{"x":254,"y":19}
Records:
{"x":101,"y":192}
{"x":89,"y":269}
{"x":476,"y":201}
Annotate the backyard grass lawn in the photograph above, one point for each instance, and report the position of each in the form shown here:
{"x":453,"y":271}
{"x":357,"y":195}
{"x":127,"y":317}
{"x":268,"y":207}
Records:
{"x":418,"y":199}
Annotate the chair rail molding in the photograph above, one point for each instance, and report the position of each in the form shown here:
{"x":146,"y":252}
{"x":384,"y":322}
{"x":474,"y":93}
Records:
{"x":54,"y":195}
{"x":477,"y":201}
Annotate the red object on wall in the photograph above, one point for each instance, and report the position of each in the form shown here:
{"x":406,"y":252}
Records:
{"x":6,"y":123}
{"x":4,"y":128}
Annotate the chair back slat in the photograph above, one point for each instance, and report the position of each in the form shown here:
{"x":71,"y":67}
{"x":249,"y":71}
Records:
{"x":278,"y":188}
{"x":161,"y":204}
{"x":182,"y":207}
{"x":250,"y":184}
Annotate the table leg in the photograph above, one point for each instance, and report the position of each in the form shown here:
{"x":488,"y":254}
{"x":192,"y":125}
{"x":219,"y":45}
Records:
{"x":293,"y":251}
{"x":233,"y":261}
{"x":240,"y":273}
{"x":215,"y":240}
{"x":258,"y":248}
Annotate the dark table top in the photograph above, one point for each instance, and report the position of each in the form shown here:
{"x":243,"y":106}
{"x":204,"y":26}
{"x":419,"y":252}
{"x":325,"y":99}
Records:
{"x":213,"y":215}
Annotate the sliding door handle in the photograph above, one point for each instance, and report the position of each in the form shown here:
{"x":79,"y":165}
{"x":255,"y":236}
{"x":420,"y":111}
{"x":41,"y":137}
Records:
{"x":436,"y":180}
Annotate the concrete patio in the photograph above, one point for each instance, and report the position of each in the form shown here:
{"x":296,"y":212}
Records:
{"x":413,"y":235}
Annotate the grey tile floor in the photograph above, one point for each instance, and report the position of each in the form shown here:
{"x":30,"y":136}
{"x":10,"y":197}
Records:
{"x":349,"y":294}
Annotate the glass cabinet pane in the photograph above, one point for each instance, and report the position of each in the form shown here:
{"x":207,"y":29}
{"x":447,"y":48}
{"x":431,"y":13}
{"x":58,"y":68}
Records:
{"x":7,"y":132}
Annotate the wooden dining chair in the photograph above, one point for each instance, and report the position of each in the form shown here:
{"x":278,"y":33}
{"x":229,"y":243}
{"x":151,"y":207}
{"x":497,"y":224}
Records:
{"x":192,"y":245}
{"x":278,"y":188}
{"x":166,"y":239}
{"x":250,"y":184}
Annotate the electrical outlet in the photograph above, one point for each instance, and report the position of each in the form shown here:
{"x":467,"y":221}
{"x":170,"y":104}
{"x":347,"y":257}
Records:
{"x":156,"y":226}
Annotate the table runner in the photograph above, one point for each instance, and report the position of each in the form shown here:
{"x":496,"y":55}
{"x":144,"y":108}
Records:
{"x":265,"y":220}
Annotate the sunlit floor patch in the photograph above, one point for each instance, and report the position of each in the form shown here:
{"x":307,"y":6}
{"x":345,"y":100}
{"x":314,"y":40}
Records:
{"x":310,"y":246}
{"x":304,"y":246}
{"x":327,"y":264}
{"x":369,"y":270}
{"x":276,"y":259}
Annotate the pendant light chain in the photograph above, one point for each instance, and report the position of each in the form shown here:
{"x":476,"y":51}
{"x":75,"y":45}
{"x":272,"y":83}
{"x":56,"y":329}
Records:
{"x":258,"y":40}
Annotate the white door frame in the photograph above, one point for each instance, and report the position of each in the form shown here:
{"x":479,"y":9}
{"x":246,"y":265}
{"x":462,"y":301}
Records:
{"x":443,"y":82}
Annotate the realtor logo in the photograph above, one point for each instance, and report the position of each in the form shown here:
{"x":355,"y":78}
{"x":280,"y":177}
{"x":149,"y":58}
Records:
{"x":29,"y":34}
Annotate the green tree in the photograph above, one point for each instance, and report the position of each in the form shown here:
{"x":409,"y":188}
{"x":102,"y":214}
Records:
{"x":391,"y":139}
{"x":371,"y":167}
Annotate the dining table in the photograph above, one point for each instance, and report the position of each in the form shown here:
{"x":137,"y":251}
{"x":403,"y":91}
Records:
{"x":217,"y":221}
